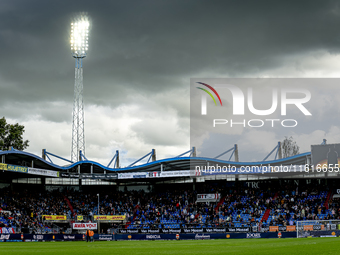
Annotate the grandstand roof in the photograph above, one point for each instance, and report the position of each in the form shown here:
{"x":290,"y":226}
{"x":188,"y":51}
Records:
{"x":23,"y":158}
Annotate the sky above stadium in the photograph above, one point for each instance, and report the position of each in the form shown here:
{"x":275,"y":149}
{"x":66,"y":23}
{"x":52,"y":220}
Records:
{"x":141,"y":57}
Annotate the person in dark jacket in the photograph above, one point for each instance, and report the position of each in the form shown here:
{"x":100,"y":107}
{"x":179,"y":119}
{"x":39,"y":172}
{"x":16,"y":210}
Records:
{"x":88,"y":235}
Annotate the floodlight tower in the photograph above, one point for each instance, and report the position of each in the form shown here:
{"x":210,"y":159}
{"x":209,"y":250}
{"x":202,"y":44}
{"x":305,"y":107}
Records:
{"x":79,"y":47}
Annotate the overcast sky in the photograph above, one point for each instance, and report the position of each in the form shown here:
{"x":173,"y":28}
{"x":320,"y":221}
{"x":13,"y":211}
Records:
{"x":141,"y":57}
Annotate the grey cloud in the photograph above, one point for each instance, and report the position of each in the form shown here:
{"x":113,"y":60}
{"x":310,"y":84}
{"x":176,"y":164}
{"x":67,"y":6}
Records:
{"x":138,"y":45}
{"x":149,"y":49}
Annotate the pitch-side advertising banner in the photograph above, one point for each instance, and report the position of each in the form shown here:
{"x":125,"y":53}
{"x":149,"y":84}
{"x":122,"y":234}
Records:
{"x":28,"y":170}
{"x":43,"y":172}
{"x":84,"y":226}
{"x":54,"y":217}
{"x":208,"y":197}
{"x":168,"y":174}
{"x":13,"y":168}
{"x":137,"y":175}
{"x":109,"y":217}
{"x":158,"y":174}
{"x":95,"y":176}
{"x":5,"y":230}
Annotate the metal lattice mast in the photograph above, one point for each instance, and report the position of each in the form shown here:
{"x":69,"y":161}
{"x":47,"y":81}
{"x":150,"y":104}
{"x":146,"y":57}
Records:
{"x":79,"y":46}
{"x":78,"y":135}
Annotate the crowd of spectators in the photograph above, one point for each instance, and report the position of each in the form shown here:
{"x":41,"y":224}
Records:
{"x":24,"y":210}
{"x":177,"y":208}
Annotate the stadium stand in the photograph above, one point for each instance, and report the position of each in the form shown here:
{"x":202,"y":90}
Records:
{"x":168,"y":208}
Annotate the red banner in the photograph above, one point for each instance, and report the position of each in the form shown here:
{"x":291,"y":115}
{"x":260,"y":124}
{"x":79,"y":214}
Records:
{"x":7,"y":231}
{"x":84,"y":226}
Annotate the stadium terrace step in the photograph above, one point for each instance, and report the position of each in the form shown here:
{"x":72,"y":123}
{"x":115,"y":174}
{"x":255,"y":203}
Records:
{"x":276,"y":195}
{"x":265,"y":215}
{"x":69,"y":205}
{"x":327,"y":199}
{"x":219,"y":203}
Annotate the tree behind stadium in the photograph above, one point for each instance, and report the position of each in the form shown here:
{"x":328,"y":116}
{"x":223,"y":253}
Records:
{"x":289,"y":147}
{"x":11,"y":135}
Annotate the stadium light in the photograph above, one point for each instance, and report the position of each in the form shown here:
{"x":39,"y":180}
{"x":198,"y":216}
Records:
{"x":80,"y":37}
{"x":79,"y":46}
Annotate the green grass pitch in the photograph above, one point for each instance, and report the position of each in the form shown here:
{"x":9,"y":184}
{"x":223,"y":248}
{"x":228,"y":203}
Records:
{"x":227,"y":246}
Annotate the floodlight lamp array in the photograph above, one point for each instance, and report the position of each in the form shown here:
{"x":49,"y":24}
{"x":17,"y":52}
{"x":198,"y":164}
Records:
{"x":80,"y":37}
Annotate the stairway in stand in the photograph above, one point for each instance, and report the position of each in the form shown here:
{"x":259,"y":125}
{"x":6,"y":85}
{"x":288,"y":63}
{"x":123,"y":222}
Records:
{"x":265,"y":215}
{"x":327,"y":199}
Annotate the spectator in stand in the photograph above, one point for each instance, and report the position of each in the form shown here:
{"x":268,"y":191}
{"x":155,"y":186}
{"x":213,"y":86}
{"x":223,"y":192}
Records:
{"x":170,"y":208}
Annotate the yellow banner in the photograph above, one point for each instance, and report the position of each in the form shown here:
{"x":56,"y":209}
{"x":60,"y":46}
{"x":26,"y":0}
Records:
{"x":109,"y":217}
{"x":80,"y":217}
{"x":54,"y":217}
{"x":3,"y":166}
{"x":13,"y":168}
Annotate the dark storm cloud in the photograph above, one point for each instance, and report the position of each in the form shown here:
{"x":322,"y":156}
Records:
{"x":152,"y":47}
